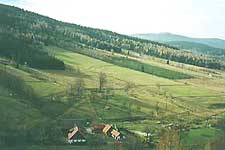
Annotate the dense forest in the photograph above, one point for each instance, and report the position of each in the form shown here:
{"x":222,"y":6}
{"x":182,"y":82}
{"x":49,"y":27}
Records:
{"x":33,"y":31}
{"x":21,"y":52}
{"x":17,"y":45}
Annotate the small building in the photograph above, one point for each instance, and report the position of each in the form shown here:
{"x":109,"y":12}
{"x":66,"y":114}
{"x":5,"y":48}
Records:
{"x":110,"y":131}
{"x":75,"y":136}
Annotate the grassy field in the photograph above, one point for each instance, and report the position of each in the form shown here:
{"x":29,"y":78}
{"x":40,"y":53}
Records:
{"x":152,"y":96}
{"x":147,"y":84}
{"x":198,"y":136}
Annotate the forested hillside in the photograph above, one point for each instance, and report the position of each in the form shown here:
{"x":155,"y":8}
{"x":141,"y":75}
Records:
{"x":56,"y":75}
{"x":165,"y":37}
{"x":198,"y":47}
{"x":31,"y":31}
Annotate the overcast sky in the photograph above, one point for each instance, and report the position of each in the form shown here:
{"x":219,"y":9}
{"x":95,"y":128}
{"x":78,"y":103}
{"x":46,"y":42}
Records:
{"x":196,"y":18}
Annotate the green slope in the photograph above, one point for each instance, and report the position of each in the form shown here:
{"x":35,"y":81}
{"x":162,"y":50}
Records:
{"x":172,"y":97}
{"x":134,"y":99}
{"x":30,"y":32}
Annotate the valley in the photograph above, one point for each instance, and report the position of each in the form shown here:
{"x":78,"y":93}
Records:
{"x":158,"y":102}
{"x":107,"y":90}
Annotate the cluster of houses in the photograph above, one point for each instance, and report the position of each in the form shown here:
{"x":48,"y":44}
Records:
{"x":76,"y":136}
{"x":112,"y":132}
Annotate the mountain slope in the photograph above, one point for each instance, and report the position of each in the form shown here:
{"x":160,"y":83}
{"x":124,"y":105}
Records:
{"x":138,"y":92}
{"x":197,"y":47}
{"x":39,"y":31}
{"x":162,"y":37}
{"x":168,"y":37}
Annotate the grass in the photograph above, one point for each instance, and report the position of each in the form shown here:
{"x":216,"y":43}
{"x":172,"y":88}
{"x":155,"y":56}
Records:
{"x":92,"y":67}
{"x":190,"y":91}
{"x":16,"y":115}
{"x":150,"y":89}
{"x":147,"y":91}
{"x":199,"y":136}
{"x":109,"y":146}
{"x":150,"y":69}
{"x":134,"y":64}
{"x":45,"y":89}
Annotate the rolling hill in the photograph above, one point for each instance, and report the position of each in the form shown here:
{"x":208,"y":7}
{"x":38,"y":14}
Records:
{"x":169,"y":37}
{"x":31,"y":31}
{"x":198,"y":48}
{"x":52,"y":71}
{"x":202,"y":45}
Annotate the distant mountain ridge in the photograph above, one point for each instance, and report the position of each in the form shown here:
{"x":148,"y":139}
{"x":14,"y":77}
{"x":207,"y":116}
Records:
{"x":198,"y":48}
{"x":169,"y":37}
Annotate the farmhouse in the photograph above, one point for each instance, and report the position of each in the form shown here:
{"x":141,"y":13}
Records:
{"x":110,"y":131}
{"x":75,"y":136}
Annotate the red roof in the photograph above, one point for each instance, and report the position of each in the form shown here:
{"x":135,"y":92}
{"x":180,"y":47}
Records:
{"x":71,"y":134}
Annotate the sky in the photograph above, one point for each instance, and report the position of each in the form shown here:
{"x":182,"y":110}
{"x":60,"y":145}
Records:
{"x":195,"y":18}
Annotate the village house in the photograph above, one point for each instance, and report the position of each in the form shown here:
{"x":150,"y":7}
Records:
{"x":110,"y":131}
{"x":75,"y":136}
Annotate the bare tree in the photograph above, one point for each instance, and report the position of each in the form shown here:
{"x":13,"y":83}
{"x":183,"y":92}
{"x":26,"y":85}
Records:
{"x":128,"y":87}
{"x":159,"y":88}
{"x":79,"y":87}
{"x":157,"y":108}
{"x":93,"y":95}
{"x":166,"y":95}
{"x":102,"y":80}
{"x":76,"y":89}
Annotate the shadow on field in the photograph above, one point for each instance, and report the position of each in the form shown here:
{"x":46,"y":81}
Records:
{"x":217,"y":106}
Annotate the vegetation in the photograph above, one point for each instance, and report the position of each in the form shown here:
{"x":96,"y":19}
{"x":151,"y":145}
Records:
{"x":100,"y":83}
{"x":198,"y":48}
{"x":133,"y":64}
{"x":40,"y":30}
{"x":169,"y":37}
{"x":25,"y":53}
{"x":18,"y":109}
{"x":130,"y":102}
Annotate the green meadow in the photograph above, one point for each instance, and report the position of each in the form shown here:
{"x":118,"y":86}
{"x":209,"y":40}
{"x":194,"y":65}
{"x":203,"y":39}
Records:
{"x":153,"y":100}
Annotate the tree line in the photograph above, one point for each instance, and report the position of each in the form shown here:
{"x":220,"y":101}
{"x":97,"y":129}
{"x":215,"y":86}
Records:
{"x":40,"y":30}
{"x":18,"y":51}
